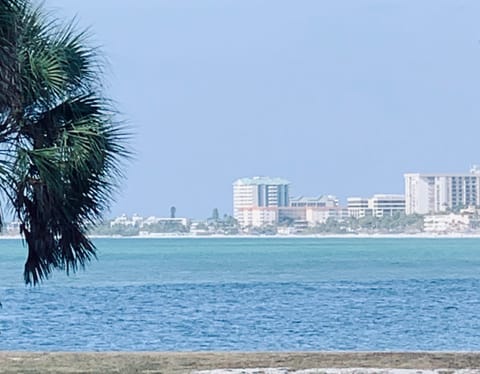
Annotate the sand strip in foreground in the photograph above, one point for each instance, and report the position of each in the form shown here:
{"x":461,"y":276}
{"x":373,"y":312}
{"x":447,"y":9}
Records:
{"x":186,"y":362}
{"x":337,"y":371}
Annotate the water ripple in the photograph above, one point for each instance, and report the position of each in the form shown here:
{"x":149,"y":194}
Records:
{"x":385,"y":315}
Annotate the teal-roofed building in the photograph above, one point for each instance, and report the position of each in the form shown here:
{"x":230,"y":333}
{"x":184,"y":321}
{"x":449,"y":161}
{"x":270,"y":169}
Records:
{"x":256,"y":200}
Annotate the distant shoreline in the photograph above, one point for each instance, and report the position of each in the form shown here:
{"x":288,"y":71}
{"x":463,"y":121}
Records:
{"x":311,"y":236}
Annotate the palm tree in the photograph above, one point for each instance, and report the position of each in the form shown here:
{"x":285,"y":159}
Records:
{"x":60,"y":148}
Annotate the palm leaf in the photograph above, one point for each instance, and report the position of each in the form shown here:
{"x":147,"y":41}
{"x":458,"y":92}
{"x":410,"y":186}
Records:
{"x":61,"y":150}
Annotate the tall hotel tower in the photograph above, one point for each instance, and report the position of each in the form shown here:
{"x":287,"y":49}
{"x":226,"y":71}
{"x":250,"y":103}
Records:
{"x":256,"y":200}
{"x":436,"y":193}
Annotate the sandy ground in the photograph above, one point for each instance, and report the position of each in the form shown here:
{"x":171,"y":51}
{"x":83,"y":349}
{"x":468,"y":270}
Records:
{"x":248,"y":363}
{"x":337,"y":371}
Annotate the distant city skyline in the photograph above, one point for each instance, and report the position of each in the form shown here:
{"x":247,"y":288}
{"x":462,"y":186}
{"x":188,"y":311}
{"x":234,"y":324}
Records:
{"x":340,"y":97}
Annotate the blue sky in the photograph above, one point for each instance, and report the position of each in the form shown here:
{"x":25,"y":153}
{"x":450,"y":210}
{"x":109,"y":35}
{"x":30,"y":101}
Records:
{"x":339,"y":97}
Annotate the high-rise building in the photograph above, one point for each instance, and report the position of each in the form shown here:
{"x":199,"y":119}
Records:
{"x":256,"y":200}
{"x":436,"y":193}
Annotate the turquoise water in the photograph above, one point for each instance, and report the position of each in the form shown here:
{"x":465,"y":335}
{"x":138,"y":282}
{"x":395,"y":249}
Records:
{"x":250,"y":294}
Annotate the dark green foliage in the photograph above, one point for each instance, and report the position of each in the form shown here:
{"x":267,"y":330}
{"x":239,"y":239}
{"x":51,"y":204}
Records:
{"x":226,"y":225}
{"x":165,"y":227}
{"x":331,"y":226}
{"x":398,"y":223}
{"x":264,"y":230}
{"x":105,"y":228}
{"x":60,"y":147}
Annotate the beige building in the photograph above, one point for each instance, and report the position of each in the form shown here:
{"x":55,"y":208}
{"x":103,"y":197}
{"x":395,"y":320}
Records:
{"x":257,"y":216}
{"x":256,"y":200}
{"x":312,"y":210}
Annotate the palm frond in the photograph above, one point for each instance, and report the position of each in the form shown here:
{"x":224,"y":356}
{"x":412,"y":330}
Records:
{"x":61,"y":148}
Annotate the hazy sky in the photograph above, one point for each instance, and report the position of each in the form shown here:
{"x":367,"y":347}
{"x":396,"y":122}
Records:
{"x":339,"y":97}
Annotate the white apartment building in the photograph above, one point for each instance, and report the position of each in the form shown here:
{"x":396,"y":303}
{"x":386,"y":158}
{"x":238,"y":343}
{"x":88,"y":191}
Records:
{"x":379,"y":205}
{"x":256,"y":200}
{"x":437,"y":193}
{"x":387,"y":204}
{"x":156,"y":220}
{"x":139,"y":221}
{"x":123,"y":220}
{"x":358,"y":207}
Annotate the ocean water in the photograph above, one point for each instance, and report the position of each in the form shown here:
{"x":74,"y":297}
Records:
{"x":271,"y":294}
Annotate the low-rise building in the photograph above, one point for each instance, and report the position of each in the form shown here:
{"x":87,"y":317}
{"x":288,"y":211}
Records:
{"x":152,"y":220}
{"x":446,"y":223}
{"x":358,"y":207}
{"x":199,"y":228}
{"x":379,"y":205}
{"x":315,"y":216}
{"x":138,"y":221}
{"x":324,"y":201}
{"x":257,"y":216}
{"x":386,"y":204}
{"x":123,"y":220}
{"x":313,"y":210}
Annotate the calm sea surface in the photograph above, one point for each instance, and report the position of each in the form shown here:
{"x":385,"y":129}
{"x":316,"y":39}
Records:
{"x":250,"y":294}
